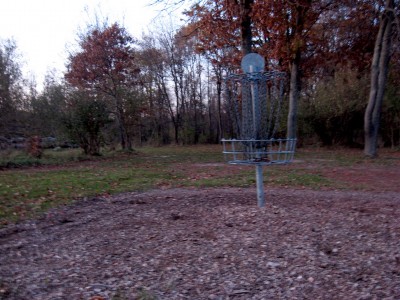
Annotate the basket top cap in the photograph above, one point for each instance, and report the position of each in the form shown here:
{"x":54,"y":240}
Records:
{"x":253,"y":62}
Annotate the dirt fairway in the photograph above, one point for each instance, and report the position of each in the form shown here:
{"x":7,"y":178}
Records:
{"x":208,"y":244}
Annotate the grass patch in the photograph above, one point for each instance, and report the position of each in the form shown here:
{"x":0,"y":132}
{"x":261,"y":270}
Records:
{"x":68,"y":175}
{"x":25,"y":192}
{"x":300,"y":178}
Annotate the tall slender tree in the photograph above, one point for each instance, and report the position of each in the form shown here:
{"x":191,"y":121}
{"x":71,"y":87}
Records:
{"x":379,"y":72}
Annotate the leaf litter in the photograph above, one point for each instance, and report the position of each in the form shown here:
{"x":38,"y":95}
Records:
{"x":187,"y":243}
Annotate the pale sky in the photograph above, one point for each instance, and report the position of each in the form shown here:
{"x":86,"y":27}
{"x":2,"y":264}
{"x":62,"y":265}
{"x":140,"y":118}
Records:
{"x":43,"y":29}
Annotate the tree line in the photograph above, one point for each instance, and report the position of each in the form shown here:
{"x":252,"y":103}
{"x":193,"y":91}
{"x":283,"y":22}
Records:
{"x":341,"y":59}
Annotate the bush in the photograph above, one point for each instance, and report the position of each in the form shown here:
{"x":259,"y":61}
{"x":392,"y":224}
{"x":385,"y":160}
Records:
{"x":335,"y":111}
{"x":33,"y":147}
{"x":85,"y":121}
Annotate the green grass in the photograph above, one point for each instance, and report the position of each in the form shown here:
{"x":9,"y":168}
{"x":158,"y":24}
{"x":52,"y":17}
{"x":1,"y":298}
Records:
{"x":26,"y":191}
{"x":68,"y":175}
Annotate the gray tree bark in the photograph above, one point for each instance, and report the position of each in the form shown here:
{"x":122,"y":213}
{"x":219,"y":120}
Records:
{"x":245,"y":26}
{"x":295,"y":76}
{"x":294,"y":94}
{"x":379,"y":71}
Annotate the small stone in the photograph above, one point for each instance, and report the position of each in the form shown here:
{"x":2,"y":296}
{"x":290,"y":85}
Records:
{"x":311,"y":279}
{"x":273,"y":264}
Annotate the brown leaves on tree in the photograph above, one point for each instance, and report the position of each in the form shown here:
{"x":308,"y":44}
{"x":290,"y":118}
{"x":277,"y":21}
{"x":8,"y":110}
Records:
{"x":328,"y":33}
{"x":106,"y":60}
{"x":106,"y":65}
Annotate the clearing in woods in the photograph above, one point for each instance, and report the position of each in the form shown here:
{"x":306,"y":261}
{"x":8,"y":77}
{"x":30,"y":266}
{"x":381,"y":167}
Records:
{"x":331,"y":229}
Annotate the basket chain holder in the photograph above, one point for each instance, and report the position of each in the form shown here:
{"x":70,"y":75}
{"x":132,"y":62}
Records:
{"x":255,"y":99}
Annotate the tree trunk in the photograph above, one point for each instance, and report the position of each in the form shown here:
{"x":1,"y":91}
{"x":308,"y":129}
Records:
{"x":245,"y":25}
{"x":218,"y":75}
{"x":294,"y":93}
{"x":125,"y":139}
{"x":94,"y":144}
{"x":379,"y":71}
{"x":295,"y":46}
{"x":173,"y":117}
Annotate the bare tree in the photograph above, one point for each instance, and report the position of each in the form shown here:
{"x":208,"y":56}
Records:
{"x":379,"y":71}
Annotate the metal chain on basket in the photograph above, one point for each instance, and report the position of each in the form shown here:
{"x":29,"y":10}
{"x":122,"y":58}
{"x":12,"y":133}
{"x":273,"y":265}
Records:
{"x":255,"y":102}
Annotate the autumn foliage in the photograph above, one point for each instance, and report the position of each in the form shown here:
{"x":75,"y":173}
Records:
{"x":106,"y":57}
{"x":326,"y":32}
{"x":106,"y":66}
{"x":168,"y":87}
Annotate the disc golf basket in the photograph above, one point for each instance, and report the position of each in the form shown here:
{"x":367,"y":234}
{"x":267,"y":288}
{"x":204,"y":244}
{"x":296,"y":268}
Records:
{"x":255,"y":99}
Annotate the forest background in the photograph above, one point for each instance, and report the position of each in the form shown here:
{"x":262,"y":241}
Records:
{"x":168,"y":86}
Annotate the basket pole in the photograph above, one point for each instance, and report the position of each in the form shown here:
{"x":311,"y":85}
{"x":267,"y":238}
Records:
{"x":260,"y":186}
{"x":256,"y":104}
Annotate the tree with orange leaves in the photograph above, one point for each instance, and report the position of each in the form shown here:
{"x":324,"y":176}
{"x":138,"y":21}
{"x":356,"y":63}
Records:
{"x":276,"y":29}
{"x":106,"y":65}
